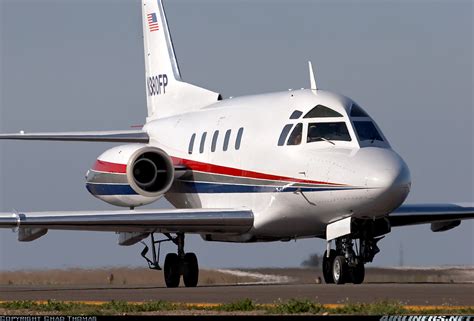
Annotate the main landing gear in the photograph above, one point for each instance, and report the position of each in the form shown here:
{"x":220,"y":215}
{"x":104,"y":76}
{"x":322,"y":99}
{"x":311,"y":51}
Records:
{"x":176,"y":264}
{"x":343,"y":264}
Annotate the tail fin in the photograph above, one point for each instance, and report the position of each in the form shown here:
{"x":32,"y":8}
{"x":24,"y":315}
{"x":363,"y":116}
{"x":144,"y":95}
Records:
{"x":167,"y":95}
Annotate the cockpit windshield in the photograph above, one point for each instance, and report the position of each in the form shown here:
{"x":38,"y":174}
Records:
{"x":366,"y":130}
{"x":357,"y":111}
{"x":328,"y":131}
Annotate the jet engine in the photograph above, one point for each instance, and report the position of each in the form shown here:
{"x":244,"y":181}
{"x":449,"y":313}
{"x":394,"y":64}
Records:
{"x":131,"y":175}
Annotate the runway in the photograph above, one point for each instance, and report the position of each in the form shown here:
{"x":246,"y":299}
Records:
{"x":409,"y":294}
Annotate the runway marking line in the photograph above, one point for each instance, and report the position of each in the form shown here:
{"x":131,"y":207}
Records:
{"x":213,"y":305}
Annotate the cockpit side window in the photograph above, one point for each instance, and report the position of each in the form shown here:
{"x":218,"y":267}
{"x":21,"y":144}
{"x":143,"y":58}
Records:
{"x":328,"y":131}
{"x":296,"y":114}
{"x":357,"y":111}
{"x":296,"y":135}
{"x":284,"y":134}
{"x":366,"y":131}
{"x":322,"y":111}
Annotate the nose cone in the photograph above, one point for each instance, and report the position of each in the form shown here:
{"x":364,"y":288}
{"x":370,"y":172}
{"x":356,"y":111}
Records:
{"x":387,"y":171}
{"x":387,"y":178}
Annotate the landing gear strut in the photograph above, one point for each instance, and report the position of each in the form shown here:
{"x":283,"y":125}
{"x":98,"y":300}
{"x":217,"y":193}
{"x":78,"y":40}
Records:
{"x":346,"y":265}
{"x":176,"y":264}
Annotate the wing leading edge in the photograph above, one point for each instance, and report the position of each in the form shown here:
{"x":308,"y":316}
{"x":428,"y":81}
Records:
{"x":441,"y":216}
{"x":228,"y":221}
{"x":124,"y":136}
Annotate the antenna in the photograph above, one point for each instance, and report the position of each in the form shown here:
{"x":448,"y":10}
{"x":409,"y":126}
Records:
{"x":311,"y":77}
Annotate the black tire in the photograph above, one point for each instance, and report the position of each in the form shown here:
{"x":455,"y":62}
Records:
{"x":339,"y":270}
{"x":172,"y":270}
{"x":190,"y":270}
{"x":358,"y":273}
{"x":327,"y":266}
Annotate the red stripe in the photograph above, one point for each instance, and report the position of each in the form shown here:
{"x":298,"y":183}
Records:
{"x":102,"y":166}
{"x":216,"y":169}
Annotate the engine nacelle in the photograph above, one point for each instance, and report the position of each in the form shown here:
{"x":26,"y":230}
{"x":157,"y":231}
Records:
{"x":131,"y":175}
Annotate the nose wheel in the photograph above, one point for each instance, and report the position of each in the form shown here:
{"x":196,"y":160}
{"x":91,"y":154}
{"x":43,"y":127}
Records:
{"x":339,"y":270}
{"x":328,"y":261}
{"x":344,"y":265}
{"x":176,"y":264}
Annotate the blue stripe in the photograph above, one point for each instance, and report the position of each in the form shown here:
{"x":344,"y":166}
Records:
{"x":110,"y":189}
{"x":203,"y":187}
{"x":209,"y":188}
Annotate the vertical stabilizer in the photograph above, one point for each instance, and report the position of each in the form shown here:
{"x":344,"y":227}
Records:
{"x":167,"y":95}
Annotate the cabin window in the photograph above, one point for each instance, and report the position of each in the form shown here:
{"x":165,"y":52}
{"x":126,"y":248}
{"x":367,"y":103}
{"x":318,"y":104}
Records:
{"x":322,"y":111}
{"x":296,"y":135}
{"x":191,"y":144}
{"x":328,"y":131}
{"x":366,"y":131}
{"x":296,"y":114}
{"x":284,"y":134}
{"x":203,"y":142}
{"x":226,"y":140}
{"x":357,"y":111}
{"x":214,"y":141}
{"x":238,"y":141}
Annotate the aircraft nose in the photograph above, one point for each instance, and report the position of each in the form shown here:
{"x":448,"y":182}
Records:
{"x":387,"y":178}
{"x":387,"y":171}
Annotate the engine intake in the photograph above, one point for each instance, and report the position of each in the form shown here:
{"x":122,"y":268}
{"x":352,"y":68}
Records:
{"x":131,"y":175}
{"x":150,"y":171}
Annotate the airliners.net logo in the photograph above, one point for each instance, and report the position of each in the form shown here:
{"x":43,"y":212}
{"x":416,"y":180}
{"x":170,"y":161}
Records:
{"x":427,"y":318}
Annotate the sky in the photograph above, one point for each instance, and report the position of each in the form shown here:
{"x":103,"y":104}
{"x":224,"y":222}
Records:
{"x":78,"y":65}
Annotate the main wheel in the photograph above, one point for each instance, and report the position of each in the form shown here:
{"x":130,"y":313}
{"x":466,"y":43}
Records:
{"x":327,"y":266}
{"x":339,"y":269}
{"x":358,"y":273}
{"x":172,"y":270}
{"x":190,"y":270}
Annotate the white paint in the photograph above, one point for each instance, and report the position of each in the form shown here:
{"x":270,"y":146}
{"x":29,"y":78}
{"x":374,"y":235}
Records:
{"x":338,"y":228}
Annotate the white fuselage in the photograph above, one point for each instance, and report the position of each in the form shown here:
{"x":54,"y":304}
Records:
{"x":293,"y":190}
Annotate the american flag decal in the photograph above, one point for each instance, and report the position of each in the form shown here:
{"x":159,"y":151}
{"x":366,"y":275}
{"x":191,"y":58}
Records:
{"x":152,"y":22}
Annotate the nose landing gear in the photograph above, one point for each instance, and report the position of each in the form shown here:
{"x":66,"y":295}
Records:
{"x":176,"y":264}
{"x":344,"y":265}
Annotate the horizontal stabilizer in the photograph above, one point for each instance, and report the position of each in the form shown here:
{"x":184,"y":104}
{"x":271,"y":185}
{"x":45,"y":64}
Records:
{"x":122,"y":136}
{"x":232,"y":221}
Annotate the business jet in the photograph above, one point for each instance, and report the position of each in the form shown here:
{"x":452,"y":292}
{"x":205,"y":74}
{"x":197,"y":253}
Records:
{"x":268,"y":167}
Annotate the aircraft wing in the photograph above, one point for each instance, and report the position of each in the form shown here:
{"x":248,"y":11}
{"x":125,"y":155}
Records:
{"x":234,"y":221}
{"x":126,"y":136}
{"x":441,"y":216}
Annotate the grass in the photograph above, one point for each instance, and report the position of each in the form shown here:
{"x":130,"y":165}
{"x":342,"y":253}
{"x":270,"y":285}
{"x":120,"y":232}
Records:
{"x":378,"y":308}
{"x":292,"y":306}
{"x":242,"y":305}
